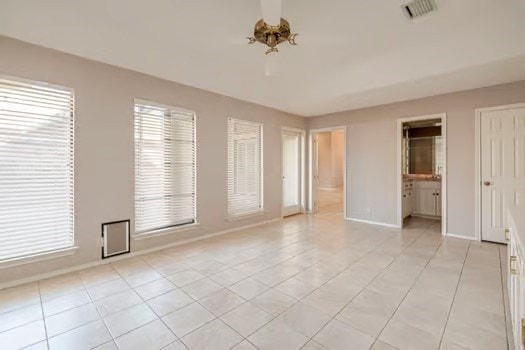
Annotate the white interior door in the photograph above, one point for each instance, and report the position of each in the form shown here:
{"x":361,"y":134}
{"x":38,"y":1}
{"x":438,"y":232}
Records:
{"x":502,"y":168}
{"x":291,"y":148}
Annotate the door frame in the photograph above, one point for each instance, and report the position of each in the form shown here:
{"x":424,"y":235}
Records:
{"x":312,"y":157}
{"x":477,"y":158}
{"x":444,"y":176}
{"x":302,"y":167}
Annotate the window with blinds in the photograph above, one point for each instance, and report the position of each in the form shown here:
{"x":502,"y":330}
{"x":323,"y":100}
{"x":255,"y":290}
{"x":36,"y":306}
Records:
{"x":165,"y":167}
{"x":37,"y":168}
{"x":245,"y":180}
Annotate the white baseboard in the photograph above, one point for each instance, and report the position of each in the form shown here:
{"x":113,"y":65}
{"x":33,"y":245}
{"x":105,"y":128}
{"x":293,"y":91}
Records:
{"x":462,"y":237}
{"x":422,"y":216}
{"x":373,"y":222}
{"x":127,"y":256}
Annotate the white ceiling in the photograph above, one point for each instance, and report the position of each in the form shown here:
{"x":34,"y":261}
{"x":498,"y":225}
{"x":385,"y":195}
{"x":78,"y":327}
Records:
{"x":351,"y":53}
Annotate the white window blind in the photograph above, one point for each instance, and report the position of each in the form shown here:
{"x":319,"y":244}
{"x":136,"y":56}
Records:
{"x":36,"y":168}
{"x":245,"y":180}
{"x":165,"y":156}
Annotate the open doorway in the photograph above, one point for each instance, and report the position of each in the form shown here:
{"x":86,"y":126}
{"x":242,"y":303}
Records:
{"x":422,"y":169}
{"x":328,"y":170}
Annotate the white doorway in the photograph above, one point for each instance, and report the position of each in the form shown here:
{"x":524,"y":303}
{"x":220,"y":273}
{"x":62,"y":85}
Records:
{"x":328,"y":171}
{"x":422,"y":169}
{"x":500,"y":178}
{"x":292,"y":150}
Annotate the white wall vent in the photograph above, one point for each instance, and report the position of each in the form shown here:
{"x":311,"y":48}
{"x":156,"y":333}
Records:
{"x":115,"y":238}
{"x":418,"y":8}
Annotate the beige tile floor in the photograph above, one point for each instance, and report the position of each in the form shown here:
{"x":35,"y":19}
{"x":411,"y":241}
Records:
{"x":307,"y":282}
{"x":330,"y":201}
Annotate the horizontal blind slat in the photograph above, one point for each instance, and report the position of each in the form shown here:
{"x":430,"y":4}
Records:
{"x":244,"y":167}
{"x":37,"y":173}
{"x":165,"y":162}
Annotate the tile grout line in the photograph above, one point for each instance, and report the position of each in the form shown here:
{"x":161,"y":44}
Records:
{"x":69,"y":309}
{"x":400,"y":254}
{"x":144,"y":303}
{"x":299,"y":300}
{"x":98,"y":312}
{"x":226,"y":288}
{"x":25,"y":323}
{"x":101,"y":318}
{"x":40,"y":303}
{"x":245,"y":302}
{"x":296,"y":300}
{"x":179,"y":288}
{"x":197,"y":301}
{"x":410,"y":288}
{"x":43,"y":315}
{"x":86,"y":289}
{"x":215,"y":317}
{"x":505,"y":300}
{"x":304,"y":233}
{"x":455,"y":293}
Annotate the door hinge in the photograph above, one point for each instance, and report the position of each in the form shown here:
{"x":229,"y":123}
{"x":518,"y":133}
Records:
{"x":507,"y":235}
{"x":513,"y":268}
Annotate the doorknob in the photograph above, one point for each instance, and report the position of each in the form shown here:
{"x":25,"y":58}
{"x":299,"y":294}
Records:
{"x":487,"y":183}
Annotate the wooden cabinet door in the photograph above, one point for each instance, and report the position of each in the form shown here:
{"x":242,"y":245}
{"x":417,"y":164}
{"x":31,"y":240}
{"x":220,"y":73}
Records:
{"x":404,"y":203}
{"x":438,"y":202}
{"x":425,"y":201}
{"x":409,"y":201}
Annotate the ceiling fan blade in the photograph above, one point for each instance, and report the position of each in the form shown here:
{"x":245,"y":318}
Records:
{"x":271,"y":12}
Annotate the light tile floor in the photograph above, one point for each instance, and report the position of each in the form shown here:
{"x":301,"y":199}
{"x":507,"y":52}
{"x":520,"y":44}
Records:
{"x":307,"y":282}
{"x":330,"y":201}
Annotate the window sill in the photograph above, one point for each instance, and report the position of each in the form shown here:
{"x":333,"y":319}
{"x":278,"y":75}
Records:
{"x":38,"y":257}
{"x":165,"y":231}
{"x":246,"y":216}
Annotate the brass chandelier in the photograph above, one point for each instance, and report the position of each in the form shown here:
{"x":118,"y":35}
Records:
{"x":272,"y":36}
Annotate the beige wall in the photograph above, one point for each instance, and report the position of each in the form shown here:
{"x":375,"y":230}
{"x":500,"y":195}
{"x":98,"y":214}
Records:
{"x":104,"y":172}
{"x":104,"y":148}
{"x":371,"y":152}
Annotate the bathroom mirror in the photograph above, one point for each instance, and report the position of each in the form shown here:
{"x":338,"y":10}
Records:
{"x":422,"y":143}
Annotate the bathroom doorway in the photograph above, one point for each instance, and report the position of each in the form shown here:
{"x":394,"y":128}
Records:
{"x":328,"y":170}
{"x":421,"y":159}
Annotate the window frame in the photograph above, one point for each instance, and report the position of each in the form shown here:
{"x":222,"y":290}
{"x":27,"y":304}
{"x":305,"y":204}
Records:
{"x":138,"y":235}
{"x":239,"y":215}
{"x":71,"y":248}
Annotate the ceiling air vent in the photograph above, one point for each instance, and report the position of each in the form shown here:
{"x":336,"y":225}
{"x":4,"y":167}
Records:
{"x":418,"y":8}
